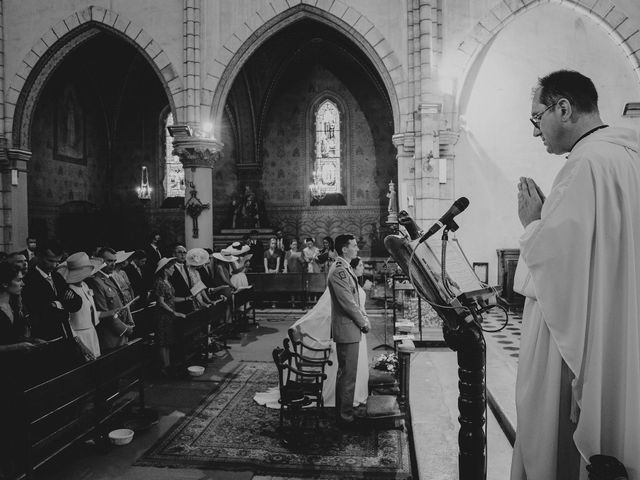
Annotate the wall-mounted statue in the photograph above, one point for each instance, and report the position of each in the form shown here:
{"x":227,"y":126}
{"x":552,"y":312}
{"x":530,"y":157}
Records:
{"x":247,"y":210}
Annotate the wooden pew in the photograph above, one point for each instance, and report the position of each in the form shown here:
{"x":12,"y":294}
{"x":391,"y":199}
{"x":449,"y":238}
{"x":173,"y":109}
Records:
{"x":315,"y":285}
{"x":277,"y":287}
{"x":54,"y":413}
{"x":193,"y":332}
{"x":243,"y":305}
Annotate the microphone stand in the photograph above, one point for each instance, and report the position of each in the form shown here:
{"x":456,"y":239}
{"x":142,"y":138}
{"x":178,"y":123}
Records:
{"x":468,"y":342}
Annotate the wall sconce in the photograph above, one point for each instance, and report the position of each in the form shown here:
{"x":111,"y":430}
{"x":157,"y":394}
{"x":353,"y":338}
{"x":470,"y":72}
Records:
{"x":144,"y":190}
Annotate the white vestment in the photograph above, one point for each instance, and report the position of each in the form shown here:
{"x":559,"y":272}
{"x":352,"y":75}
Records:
{"x":583,"y":307}
{"x":315,"y":330}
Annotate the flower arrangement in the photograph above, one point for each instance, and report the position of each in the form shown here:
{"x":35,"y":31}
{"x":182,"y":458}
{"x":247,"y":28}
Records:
{"x":387,"y":362}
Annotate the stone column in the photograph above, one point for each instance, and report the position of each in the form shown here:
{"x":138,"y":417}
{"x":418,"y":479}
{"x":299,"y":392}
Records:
{"x":198,"y":155}
{"x":14,"y":199}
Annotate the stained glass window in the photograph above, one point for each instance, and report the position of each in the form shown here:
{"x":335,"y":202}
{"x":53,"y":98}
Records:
{"x":327,"y":147}
{"x":174,"y":172}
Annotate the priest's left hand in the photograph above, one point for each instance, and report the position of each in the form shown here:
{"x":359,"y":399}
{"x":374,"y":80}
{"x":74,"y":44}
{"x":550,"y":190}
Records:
{"x":530,"y":200}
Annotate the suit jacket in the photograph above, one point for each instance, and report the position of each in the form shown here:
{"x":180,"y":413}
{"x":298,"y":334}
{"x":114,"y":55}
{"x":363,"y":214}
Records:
{"x":138,"y":283}
{"x":47,"y":321}
{"x":182,"y":289}
{"x":111,"y":330}
{"x":346,"y":316}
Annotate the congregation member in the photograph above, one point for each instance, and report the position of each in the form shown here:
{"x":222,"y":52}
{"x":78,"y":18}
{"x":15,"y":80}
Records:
{"x":578,"y":381}
{"x":166,"y":313}
{"x":46,"y":295}
{"x":310,"y":256}
{"x":154,"y":255}
{"x":15,"y":334}
{"x":256,"y":249}
{"x":121,"y":278}
{"x":327,"y":255}
{"x":135,"y":273}
{"x":272,"y":257}
{"x":222,"y":280}
{"x":76,"y":269}
{"x":238,"y":267}
{"x":30,"y":251}
{"x":196,"y":258}
{"x":19,"y":260}
{"x":293,"y":262}
{"x":114,"y":324}
{"x":181,"y":281}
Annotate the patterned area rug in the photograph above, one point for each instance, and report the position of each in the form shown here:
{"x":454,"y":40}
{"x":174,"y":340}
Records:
{"x":229,"y":431}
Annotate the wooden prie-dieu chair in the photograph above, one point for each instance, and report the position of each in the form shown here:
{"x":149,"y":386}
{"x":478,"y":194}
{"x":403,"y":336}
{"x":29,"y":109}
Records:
{"x":297,"y":388}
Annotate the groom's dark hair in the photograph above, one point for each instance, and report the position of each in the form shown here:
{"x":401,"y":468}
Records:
{"x":342,"y":241}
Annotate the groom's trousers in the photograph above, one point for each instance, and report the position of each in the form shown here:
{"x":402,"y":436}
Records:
{"x":346,"y":379}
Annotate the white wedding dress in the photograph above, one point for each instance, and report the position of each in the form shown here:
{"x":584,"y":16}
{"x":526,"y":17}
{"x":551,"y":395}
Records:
{"x":315,"y":329}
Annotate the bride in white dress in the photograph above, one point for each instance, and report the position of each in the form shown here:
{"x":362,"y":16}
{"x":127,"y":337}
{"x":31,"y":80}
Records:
{"x":314,"y":329}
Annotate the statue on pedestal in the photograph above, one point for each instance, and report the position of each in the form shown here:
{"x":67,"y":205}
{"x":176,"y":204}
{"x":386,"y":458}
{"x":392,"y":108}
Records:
{"x":246,"y":210}
{"x":393,"y":204}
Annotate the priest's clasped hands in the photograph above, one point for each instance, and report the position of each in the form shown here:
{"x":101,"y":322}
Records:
{"x":530,"y":200}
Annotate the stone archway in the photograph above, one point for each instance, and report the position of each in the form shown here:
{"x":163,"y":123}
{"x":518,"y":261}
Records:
{"x":268,"y":21}
{"x":470,"y":51}
{"x":51,"y":49}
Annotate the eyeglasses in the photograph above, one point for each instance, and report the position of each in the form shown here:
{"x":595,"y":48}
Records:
{"x":535,"y":119}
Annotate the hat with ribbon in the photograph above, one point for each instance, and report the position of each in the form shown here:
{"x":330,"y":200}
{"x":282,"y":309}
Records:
{"x":224,"y":258}
{"x":236,"y":248}
{"x":164,"y":263}
{"x":196,"y":257}
{"x":122,"y":256}
{"x":78,"y":266}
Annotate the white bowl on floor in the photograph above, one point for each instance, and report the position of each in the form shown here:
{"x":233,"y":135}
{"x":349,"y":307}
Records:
{"x":122,"y":436}
{"x":195,"y":370}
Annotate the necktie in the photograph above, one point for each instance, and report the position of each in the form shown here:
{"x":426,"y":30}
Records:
{"x":50,"y":280}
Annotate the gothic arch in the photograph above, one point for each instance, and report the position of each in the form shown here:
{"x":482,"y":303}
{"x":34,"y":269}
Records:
{"x":471,"y":51}
{"x":53,"y":47}
{"x":274,"y":17}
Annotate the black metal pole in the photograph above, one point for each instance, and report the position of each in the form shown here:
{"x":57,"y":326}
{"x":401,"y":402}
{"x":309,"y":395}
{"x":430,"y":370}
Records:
{"x":469,"y":344}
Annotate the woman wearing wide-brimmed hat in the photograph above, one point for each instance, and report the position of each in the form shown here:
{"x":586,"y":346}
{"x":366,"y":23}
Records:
{"x":165,"y":310}
{"x":238,"y":276}
{"x":120,"y":276}
{"x":196,"y":258}
{"x":75,"y":270}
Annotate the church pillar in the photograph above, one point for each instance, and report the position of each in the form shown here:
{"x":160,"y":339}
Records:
{"x":198,"y":155}
{"x":14,"y":203}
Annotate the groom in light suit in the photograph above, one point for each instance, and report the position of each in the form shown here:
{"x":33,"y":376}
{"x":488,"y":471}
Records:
{"x":348,"y":323}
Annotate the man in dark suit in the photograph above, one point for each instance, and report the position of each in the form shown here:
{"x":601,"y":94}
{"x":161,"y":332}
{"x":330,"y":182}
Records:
{"x":256,"y":250}
{"x":30,"y":251}
{"x":181,"y":281}
{"x":348,"y":323}
{"x":152,"y":249}
{"x":47,"y":297}
{"x":135,"y":271}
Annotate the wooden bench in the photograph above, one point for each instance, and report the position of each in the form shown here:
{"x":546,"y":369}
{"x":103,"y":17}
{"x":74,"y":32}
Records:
{"x":292,"y":289}
{"x":192,"y":333}
{"x":53,"y":414}
{"x":243,"y":305}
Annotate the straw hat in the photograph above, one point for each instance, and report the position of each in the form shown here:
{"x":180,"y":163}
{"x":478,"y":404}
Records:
{"x":122,"y":256}
{"x":78,"y":266}
{"x":164,"y":262}
{"x":196,"y":257}
{"x":224,"y":258}
{"x":236,"y":248}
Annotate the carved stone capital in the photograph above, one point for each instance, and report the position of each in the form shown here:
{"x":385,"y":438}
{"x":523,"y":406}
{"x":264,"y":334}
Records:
{"x":18,"y":158}
{"x":405,"y":143}
{"x":197,"y":152}
{"x":448,"y":140}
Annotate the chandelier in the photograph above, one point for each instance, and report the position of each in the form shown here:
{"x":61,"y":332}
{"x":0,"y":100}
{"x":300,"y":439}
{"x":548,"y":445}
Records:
{"x":144,"y":190}
{"x":316,"y":188}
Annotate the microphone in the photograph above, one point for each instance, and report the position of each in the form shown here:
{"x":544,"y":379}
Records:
{"x":458,"y":206}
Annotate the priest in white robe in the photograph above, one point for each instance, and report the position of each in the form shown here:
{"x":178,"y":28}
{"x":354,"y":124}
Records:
{"x":578,"y":385}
